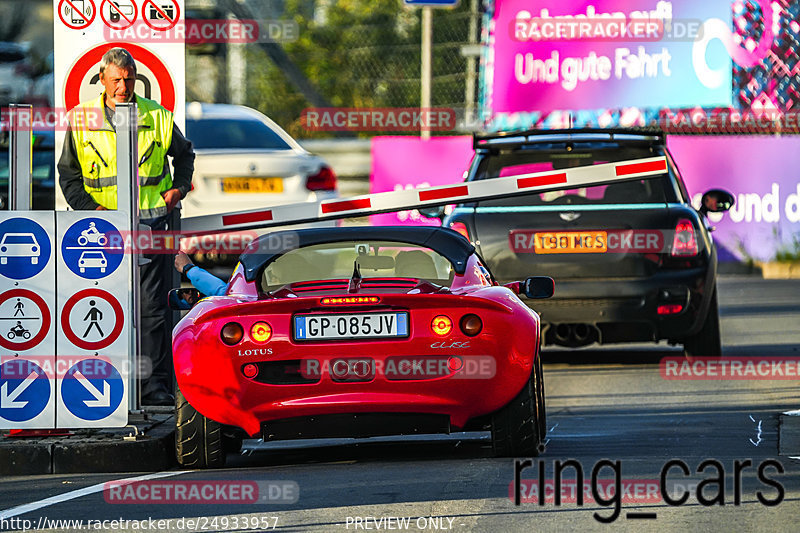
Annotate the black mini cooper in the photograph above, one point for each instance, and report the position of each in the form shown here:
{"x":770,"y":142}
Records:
{"x":633,"y":260}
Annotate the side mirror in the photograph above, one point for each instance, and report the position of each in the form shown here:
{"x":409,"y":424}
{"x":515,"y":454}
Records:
{"x":538,"y":287}
{"x":716,"y":201}
{"x":183,"y":299}
{"x":432,"y":212}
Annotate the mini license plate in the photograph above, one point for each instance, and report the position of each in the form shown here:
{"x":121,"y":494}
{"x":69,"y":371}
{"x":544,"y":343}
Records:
{"x":571,"y":242}
{"x":236,"y":185}
{"x":360,"y":326}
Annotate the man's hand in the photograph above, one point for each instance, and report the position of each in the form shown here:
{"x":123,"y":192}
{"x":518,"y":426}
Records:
{"x":181,"y":260}
{"x":100,"y":208}
{"x":172,"y":197}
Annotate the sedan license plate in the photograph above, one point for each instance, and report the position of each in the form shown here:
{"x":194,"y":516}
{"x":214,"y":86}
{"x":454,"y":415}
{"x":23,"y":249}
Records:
{"x":571,"y":242}
{"x":360,"y":326}
{"x":268,"y":185}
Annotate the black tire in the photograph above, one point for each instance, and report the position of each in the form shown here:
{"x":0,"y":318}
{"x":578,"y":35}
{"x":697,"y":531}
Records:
{"x":706,"y":342}
{"x":198,"y":440}
{"x":516,"y":428}
{"x":541,"y":414}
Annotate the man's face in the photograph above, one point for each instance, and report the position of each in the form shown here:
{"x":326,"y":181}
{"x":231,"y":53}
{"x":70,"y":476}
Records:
{"x":118,"y":83}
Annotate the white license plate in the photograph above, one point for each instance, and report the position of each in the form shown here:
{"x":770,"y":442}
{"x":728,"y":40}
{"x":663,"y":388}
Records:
{"x":361,"y":326}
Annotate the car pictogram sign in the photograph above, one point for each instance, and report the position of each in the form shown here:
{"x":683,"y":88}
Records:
{"x":24,"y":390}
{"x":24,"y":319}
{"x":77,"y":14}
{"x":92,"y":248}
{"x":152,"y":75}
{"x":24,"y":248}
{"x":92,"y":389}
{"x":92,"y":319}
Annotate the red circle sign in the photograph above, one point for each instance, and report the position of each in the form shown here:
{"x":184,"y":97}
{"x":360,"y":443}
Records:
{"x":119,"y":319}
{"x":114,"y":7}
{"x":72,"y":88}
{"x":40,"y":303}
{"x":70,"y":4}
{"x":161,"y":13}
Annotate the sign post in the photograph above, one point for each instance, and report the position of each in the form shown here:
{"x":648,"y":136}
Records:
{"x":20,"y":152}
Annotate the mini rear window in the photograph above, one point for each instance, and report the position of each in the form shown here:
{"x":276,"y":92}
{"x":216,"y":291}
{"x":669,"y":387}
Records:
{"x":233,"y":134}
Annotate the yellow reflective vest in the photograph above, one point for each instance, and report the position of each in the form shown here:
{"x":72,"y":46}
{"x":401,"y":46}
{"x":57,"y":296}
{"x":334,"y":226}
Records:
{"x":97,"y":154}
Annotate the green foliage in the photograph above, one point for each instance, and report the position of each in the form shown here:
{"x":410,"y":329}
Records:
{"x":789,"y":252}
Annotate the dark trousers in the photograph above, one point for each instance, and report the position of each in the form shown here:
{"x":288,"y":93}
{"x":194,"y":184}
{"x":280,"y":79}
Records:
{"x":156,"y":280}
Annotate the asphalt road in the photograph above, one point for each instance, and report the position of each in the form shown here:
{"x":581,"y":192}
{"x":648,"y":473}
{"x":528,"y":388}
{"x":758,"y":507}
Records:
{"x":601,"y":404}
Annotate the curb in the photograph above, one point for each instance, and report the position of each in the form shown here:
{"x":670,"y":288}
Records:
{"x":780,"y":270}
{"x":789,"y":434}
{"x":105,"y":450}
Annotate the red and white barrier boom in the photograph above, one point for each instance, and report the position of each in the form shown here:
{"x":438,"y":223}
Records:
{"x":371,"y":204}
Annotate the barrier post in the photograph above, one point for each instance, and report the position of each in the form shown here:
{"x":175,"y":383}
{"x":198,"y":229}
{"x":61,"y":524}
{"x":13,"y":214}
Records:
{"x":126,"y":122}
{"x":20,"y":157}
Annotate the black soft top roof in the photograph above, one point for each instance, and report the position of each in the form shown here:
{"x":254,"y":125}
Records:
{"x":262,"y":251}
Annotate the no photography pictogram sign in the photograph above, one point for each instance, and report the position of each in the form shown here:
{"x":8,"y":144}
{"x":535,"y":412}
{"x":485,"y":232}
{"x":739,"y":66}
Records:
{"x":77,"y":14}
{"x":167,"y":12}
{"x":121,"y":13}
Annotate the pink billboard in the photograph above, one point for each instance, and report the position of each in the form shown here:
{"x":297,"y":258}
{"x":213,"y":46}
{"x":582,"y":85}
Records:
{"x":761,"y":172}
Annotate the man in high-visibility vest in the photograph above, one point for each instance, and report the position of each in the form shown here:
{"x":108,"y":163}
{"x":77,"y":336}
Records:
{"x":88,"y":177}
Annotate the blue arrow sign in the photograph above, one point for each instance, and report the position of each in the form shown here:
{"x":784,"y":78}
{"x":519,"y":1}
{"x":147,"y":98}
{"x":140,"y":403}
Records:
{"x":92,"y":248}
{"x":24,"y":390}
{"x":24,"y":248}
{"x":92,"y":389}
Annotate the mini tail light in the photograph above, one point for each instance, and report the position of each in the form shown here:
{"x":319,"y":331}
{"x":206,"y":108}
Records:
{"x":471,"y":325}
{"x":231,"y":333}
{"x":441,"y":325}
{"x":454,"y":363}
{"x":250,"y":370}
{"x":669,"y":309}
{"x":324,"y":180}
{"x":461,"y":228}
{"x":261,"y":332}
{"x":684,"y":243}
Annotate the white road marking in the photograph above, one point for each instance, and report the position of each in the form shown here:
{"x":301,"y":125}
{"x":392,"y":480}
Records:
{"x":52,"y":500}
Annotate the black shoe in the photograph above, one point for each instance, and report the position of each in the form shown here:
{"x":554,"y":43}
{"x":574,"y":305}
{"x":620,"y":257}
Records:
{"x":158,"y":398}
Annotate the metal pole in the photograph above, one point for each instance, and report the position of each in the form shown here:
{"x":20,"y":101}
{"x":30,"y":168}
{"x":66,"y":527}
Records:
{"x":125,"y":123}
{"x":469,"y":115}
{"x":427,"y":38}
{"x":20,"y":157}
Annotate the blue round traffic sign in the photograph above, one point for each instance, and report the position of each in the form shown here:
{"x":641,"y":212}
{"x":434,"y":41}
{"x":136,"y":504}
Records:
{"x":24,"y":248}
{"x":92,"y":248}
{"x":92,"y":389}
{"x":24,"y":390}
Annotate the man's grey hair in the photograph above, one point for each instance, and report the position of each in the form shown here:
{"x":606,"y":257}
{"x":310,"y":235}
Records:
{"x":119,"y":57}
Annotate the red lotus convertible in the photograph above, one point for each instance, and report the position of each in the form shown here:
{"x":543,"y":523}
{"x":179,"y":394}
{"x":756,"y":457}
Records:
{"x":357,"y":332}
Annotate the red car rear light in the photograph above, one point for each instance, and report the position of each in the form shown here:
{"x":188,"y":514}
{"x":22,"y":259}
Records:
{"x":324,"y":180}
{"x":231,"y":333}
{"x":684,"y":243}
{"x":351,"y":300}
{"x":471,"y":325}
{"x":669,"y":309}
{"x":441,"y":325}
{"x":250,"y":370}
{"x":261,"y":332}
{"x":461,"y":228}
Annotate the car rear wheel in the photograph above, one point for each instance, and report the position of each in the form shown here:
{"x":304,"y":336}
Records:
{"x":517,"y":427}
{"x":198,"y":440}
{"x":706,"y":342}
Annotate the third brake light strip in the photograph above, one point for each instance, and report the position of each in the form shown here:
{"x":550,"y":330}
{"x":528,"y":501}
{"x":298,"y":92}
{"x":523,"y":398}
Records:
{"x":473,"y":191}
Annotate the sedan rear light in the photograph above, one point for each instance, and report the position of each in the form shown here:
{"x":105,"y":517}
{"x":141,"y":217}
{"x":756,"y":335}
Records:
{"x":231,"y":333}
{"x":684,"y":243}
{"x":324,"y":180}
{"x":461,"y":228}
{"x":669,"y":309}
